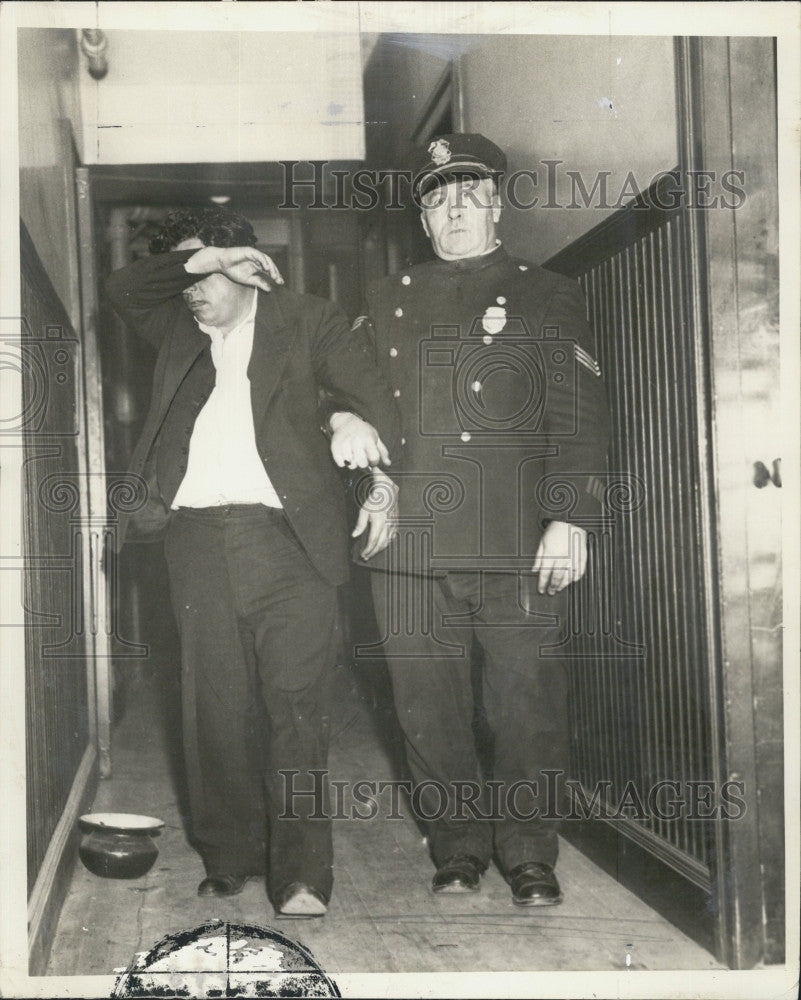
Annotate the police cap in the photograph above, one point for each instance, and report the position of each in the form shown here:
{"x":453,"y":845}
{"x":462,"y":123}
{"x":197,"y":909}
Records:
{"x":458,"y":154}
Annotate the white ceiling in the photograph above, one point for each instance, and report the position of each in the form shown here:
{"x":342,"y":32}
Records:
{"x":224,"y":96}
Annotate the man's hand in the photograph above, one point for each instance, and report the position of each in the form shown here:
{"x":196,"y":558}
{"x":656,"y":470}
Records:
{"x":244,"y":265}
{"x":379,"y":511}
{"x":561,"y":557}
{"x":355,"y":443}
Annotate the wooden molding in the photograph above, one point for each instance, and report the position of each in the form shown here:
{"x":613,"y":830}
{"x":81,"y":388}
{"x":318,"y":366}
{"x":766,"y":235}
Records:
{"x":53,"y":879}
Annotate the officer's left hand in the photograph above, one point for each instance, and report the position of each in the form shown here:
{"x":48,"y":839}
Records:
{"x":379,"y":511}
{"x":561,"y":557}
{"x":355,"y":443}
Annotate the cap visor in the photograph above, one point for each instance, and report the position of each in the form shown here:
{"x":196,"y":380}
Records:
{"x":462,"y":168}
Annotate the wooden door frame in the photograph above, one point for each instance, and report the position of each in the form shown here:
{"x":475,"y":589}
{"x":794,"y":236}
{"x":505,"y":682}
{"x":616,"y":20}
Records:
{"x":707,"y":120}
{"x":98,"y":535}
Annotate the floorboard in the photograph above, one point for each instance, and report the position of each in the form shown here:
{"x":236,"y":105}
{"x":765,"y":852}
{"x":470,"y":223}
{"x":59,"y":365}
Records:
{"x":383,"y":916}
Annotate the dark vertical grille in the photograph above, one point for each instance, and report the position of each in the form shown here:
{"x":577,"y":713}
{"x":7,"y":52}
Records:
{"x":56,"y":718}
{"x":641,"y":719}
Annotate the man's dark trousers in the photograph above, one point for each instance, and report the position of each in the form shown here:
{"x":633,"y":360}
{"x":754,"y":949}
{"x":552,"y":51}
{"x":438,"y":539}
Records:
{"x":524,"y":687}
{"x":258,"y":629}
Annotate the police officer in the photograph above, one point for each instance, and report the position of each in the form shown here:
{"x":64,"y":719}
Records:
{"x":504,"y":418}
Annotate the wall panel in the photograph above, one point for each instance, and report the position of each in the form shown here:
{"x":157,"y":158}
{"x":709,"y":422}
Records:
{"x":57,"y":698}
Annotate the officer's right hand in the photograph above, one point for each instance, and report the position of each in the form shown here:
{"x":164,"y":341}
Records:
{"x":244,"y":265}
{"x":355,"y":443}
{"x":561,"y":557}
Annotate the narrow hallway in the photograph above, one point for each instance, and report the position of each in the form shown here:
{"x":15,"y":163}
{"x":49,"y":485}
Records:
{"x":383,"y":916}
{"x":648,"y":160}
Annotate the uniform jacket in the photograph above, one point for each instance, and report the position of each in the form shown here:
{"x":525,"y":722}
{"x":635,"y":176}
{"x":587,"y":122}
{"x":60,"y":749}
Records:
{"x":300,"y":344}
{"x":503,"y":408}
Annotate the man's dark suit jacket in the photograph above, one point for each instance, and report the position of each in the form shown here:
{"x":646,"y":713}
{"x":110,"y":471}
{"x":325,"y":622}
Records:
{"x":300,"y":343}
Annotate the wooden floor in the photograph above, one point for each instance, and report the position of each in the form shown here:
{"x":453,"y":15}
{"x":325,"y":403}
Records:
{"x":383,"y":916}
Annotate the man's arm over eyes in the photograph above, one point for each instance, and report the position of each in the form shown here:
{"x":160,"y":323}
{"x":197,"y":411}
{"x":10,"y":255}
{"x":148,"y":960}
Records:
{"x":147,"y":294}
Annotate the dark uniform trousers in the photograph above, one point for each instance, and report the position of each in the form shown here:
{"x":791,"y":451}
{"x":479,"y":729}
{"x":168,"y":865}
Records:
{"x":258,"y":635}
{"x":524,"y":689}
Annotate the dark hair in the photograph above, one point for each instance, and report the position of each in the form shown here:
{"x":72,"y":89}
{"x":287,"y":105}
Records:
{"x":214,"y":227}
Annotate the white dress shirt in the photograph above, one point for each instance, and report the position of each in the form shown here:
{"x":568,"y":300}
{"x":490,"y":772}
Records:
{"x":224,"y":465}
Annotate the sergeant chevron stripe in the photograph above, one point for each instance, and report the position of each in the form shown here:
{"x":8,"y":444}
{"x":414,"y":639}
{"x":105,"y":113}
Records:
{"x":587,"y":360}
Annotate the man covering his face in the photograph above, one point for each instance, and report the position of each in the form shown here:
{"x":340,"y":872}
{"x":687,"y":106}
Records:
{"x":239,"y":475}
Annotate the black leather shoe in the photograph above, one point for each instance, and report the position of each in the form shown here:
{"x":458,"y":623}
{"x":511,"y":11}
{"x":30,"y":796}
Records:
{"x":300,"y":902}
{"x":461,"y":873}
{"x":222,"y":885}
{"x":534,"y":884}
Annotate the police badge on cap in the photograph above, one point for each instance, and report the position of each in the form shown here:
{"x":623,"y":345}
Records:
{"x":440,"y":152}
{"x":461,"y":154}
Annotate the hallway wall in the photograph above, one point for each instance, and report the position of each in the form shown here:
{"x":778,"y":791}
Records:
{"x":49,"y":126}
{"x":589,"y":102}
{"x":203,"y":96}
{"x":60,"y":759}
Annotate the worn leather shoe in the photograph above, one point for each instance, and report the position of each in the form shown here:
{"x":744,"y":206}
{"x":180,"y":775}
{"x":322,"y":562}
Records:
{"x":222,"y":885}
{"x":461,"y":873}
{"x":534,"y":884}
{"x":301,"y":902}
